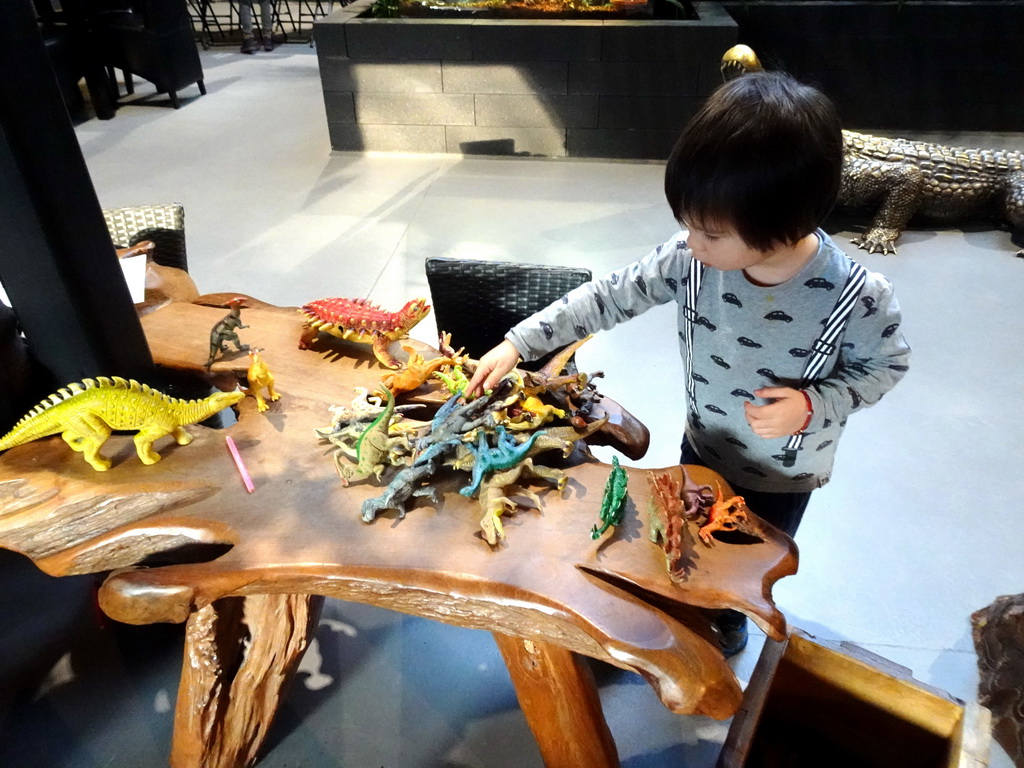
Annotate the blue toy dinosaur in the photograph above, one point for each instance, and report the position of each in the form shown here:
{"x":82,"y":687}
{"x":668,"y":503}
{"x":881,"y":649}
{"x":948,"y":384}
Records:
{"x":504,"y":455}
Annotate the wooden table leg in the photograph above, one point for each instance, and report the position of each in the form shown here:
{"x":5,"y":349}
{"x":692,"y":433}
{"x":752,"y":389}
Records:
{"x":240,"y":655}
{"x":559,"y":698}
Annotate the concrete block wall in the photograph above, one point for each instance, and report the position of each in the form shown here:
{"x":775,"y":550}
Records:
{"x":941,"y":65}
{"x":610,"y":89}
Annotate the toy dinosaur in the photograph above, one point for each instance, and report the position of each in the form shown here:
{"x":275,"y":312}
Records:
{"x":444,"y":345}
{"x":375,"y":447}
{"x":414,"y":373}
{"x":667,"y":524}
{"x":456,"y":380}
{"x":529,"y":413}
{"x":224,"y":331}
{"x":85,"y":414}
{"x":360,"y":321}
{"x":349,"y":422}
{"x":549,"y":376}
{"x":504,"y":454}
{"x":496,"y":499}
{"x":260,"y":377}
{"x":907,"y":178}
{"x":409,"y":482}
{"x":697,"y":499}
{"x":612,"y":506}
{"x":730,"y":515}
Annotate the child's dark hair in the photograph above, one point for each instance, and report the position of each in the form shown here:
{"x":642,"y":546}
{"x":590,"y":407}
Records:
{"x":764,"y":155}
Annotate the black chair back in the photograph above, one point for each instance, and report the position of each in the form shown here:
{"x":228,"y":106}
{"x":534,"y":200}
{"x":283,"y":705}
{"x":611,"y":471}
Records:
{"x":478,"y":301}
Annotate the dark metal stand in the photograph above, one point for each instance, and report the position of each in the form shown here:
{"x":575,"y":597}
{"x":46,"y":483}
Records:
{"x":57,"y":262}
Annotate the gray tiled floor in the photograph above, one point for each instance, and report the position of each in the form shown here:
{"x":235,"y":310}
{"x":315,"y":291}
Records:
{"x":919,"y":527}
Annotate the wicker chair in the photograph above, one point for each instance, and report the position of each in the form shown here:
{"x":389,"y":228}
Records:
{"x":163,"y":224}
{"x":478,"y":301}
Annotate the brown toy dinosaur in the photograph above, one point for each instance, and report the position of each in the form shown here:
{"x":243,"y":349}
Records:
{"x":225,"y":330}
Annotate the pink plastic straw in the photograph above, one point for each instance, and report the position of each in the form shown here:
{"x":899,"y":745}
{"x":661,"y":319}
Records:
{"x":240,"y":464}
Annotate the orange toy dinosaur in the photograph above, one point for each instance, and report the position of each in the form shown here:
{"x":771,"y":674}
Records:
{"x":731,"y":514}
{"x":415,"y":372}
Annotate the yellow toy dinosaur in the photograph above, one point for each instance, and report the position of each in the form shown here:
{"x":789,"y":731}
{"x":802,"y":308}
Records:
{"x":259,"y":376}
{"x":85,"y":414}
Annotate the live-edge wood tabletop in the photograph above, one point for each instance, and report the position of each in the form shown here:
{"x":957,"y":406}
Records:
{"x":300,"y":533}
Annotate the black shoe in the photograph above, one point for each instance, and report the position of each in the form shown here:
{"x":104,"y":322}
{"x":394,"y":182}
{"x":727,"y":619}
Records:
{"x":268,"y":42}
{"x":248,"y":45}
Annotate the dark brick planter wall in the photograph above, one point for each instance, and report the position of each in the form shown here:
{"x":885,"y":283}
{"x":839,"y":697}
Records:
{"x":917,"y":65}
{"x":619,"y":89}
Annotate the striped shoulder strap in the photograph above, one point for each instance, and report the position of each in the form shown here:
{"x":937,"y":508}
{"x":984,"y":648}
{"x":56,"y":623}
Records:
{"x":826,"y":344}
{"x":693,"y":285}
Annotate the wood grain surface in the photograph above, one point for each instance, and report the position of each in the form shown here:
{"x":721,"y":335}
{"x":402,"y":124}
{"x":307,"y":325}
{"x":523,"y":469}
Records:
{"x":183,"y":535}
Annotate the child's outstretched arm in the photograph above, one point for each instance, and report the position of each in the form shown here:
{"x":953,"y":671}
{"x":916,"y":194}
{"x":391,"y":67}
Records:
{"x":597,"y":305}
{"x":492,"y":367}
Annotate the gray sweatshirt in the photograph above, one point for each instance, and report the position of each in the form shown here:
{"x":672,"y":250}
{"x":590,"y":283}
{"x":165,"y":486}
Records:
{"x":746,"y":337}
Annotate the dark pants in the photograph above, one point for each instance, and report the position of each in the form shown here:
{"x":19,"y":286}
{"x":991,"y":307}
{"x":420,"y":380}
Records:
{"x":783,"y":510}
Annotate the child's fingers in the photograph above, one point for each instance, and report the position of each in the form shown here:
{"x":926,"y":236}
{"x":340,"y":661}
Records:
{"x":774,"y":393}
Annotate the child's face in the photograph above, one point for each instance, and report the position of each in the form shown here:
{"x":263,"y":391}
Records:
{"x":717,"y":245}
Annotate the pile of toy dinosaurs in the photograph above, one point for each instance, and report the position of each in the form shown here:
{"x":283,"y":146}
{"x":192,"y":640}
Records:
{"x":675,"y":503}
{"x":499,"y":438}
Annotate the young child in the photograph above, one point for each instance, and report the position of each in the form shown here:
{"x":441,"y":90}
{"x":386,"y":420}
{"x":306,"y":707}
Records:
{"x":783,"y":336}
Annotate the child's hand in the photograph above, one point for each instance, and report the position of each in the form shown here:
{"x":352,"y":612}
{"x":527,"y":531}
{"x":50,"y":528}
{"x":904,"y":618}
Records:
{"x":785,"y":413}
{"x":492,"y":366}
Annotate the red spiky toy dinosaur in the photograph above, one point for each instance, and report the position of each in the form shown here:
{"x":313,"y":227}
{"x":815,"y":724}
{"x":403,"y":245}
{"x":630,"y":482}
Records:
{"x":361,"y":321}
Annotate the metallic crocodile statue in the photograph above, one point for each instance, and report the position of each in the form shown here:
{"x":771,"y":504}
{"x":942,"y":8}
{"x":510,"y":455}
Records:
{"x":907,"y":178}
{"x":85,"y":414}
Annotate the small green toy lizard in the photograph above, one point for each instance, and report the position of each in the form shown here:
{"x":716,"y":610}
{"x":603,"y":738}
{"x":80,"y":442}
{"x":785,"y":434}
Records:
{"x":455,"y":382}
{"x":612,"y":505}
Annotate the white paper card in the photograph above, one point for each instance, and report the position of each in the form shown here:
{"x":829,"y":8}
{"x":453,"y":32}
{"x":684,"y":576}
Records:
{"x":134,"y":268}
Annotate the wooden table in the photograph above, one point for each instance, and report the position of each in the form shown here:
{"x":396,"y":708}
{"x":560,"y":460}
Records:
{"x":247,"y":572}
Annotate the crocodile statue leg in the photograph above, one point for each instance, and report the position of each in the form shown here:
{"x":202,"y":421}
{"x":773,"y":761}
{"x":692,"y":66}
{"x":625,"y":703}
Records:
{"x":897,"y":184}
{"x":1014,"y":209}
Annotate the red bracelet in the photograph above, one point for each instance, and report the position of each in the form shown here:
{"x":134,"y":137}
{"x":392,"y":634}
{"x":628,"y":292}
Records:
{"x":810,"y":412}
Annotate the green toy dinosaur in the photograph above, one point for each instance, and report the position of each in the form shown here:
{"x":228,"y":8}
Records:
{"x":456,"y":381}
{"x":85,"y":414}
{"x":374,"y":446}
{"x":612,"y":505}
